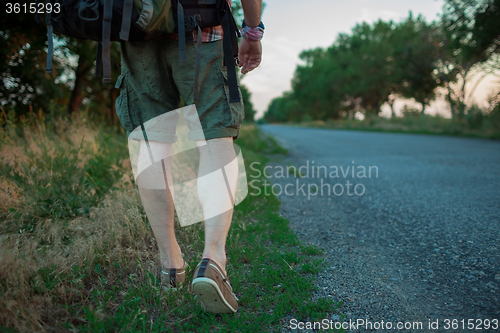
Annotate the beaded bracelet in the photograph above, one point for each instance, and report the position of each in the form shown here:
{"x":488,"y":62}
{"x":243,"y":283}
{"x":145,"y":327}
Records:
{"x":255,"y":33}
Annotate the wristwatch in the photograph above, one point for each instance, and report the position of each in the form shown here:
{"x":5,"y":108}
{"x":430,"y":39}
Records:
{"x":255,"y":33}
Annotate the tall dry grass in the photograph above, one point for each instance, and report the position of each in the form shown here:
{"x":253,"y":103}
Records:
{"x":77,"y":253}
{"x":49,"y":264}
{"x":65,"y":233}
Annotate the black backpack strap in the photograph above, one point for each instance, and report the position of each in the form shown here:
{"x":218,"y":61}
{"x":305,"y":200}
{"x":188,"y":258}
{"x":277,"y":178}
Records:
{"x":229,"y":55}
{"x":198,"y":60}
{"x":126,"y":19}
{"x":230,"y":46}
{"x":50,"y":40}
{"x":181,"y":32}
{"x":98,"y":60}
{"x":145,"y":134}
{"x":106,"y":39}
{"x":235,"y":34}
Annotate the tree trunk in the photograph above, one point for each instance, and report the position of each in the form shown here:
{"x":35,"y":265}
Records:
{"x":391,"y":104}
{"x":423,"y":107}
{"x":112,"y":109}
{"x":76,"y":95}
{"x":377,"y":107}
{"x":462,"y":106}
{"x":452,"y":108}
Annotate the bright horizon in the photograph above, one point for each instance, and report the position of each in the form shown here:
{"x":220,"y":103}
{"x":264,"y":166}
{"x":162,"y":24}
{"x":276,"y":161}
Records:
{"x":292,"y":26}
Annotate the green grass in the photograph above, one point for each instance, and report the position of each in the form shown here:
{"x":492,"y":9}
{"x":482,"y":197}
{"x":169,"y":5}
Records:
{"x":87,"y":261}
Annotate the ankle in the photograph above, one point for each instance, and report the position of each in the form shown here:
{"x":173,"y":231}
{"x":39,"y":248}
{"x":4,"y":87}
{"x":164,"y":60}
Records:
{"x":174,"y":258}
{"x":220,"y":259}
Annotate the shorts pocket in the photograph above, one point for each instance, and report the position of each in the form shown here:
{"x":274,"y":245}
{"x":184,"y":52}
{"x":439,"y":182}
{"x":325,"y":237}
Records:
{"x":122,"y":104}
{"x":237,"y":109}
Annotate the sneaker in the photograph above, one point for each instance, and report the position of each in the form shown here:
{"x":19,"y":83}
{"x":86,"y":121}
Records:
{"x":173,"y":278}
{"x":212,"y":288}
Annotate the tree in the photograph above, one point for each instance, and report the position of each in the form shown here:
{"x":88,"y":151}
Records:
{"x":314,"y":87}
{"x":249,"y":109}
{"x":369,"y":69}
{"x":351,"y":75}
{"x":25,"y":84}
{"x":468,"y":39}
{"x":87,"y":89}
{"x":414,"y":60}
{"x":486,"y":31}
{"x":283,"y":109}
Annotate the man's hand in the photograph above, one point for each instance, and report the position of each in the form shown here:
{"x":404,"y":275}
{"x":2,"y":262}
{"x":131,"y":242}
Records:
{"x":250,"y":55}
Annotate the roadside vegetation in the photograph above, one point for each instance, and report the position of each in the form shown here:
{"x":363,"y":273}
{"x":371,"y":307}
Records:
{"x":77,"y":253}
{"x":475,"y":124}
{"x":414,"y":61}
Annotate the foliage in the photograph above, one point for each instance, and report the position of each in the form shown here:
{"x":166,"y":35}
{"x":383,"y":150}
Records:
{"x":361,"y":71}
{"x":378,"y":63}
{"x":470,"y":40}
{"x":415,"y":59}
{"x":486,"y":27}
{"x":249,"y":109}
{"x":25,"y":85}
{"x":477,"y":123}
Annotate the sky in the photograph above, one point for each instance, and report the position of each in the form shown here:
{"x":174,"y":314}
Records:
{"x":296,"y":25}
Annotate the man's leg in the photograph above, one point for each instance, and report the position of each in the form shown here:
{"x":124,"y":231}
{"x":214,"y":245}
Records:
{"x":217,"y":155}
{"x":158,"y":199}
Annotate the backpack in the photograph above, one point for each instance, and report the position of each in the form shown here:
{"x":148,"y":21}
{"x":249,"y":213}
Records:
{"x":139,"y":20}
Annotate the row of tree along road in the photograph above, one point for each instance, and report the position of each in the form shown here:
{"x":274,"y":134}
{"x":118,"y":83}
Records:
{"x":378,"y":63}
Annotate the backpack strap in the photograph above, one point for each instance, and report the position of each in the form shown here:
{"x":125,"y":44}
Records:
{"x":104,"y":47}
{"x":50,"y":40}
{"x":229,"y":55}
{"x":98,"y":60}
{"x":181,"y":32}
{"x":230,"y":49}
{"x":126,"y":19}
{"x":106,"y":39}
{"x":198,"y":61}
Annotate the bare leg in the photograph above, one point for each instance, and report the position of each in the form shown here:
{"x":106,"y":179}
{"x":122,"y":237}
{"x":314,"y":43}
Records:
{"x":217,"y":154}
{"x":158,"y":201}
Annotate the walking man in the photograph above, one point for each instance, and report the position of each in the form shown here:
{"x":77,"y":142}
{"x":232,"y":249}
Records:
{"x":152,"y":83}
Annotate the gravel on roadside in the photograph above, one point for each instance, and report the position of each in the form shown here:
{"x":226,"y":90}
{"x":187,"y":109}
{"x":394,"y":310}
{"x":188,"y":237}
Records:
{"x":420,"y":245}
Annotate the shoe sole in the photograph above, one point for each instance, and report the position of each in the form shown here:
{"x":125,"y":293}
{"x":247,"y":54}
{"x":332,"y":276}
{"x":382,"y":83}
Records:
{"x":209,"y":294}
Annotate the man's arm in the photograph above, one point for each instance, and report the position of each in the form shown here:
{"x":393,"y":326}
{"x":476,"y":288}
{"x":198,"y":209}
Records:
{"x":250,"y":51}
{"x":252,"y":10}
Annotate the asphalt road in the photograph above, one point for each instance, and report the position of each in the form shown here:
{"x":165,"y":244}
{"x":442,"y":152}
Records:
{"x":417,"y":242}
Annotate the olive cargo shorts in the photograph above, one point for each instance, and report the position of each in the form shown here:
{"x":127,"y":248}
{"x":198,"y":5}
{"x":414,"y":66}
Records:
{"x":153,"y":79}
